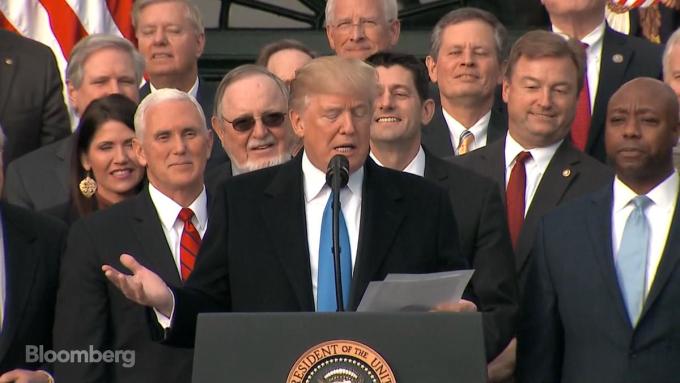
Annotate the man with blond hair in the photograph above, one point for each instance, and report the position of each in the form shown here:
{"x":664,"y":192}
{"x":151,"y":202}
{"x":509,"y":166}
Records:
{"x":276,"y":260}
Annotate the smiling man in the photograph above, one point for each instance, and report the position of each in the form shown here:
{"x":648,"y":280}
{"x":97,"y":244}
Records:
{"x":274,"y":258}
{"x":466,"y":53}
{"x":163,"y":226}
{"x":535,"y":168}
{"x":401,"y":109}
{"x":360,"y":28}
{"x":251,"y":121}
{"x":602,"y":308}
{"x":171,"y":37}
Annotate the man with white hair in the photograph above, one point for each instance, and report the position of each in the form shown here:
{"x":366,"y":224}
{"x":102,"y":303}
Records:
{"x":251,"y":121}
{"x":162,"y":227}
{"x":671,"y":76}
{"x":360,"y":28}
{"x":171,"y":37}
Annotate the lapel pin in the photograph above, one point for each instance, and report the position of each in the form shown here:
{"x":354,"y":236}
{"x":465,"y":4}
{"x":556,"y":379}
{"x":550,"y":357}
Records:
{"x":566,"y":173}
{"x":9,"y":61}
{"x":617,"y":58}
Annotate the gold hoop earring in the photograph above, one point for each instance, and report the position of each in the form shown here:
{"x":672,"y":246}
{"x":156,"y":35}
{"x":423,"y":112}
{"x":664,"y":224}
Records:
{"x":88,"y":186}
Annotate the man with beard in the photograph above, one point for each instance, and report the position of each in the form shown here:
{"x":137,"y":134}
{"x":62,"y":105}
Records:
{"x":250,"y":119}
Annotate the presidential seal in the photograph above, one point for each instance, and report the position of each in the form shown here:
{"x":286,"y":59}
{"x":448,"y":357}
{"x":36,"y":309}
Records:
{"x":340,"y":361}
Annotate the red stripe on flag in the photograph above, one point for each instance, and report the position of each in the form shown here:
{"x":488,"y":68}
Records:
{"x":121,"y":11}
{"x":65,"y":24}
{"x":5,"y":24}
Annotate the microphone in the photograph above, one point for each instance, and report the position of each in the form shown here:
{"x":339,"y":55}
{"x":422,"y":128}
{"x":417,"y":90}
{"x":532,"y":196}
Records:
{"x":337,"y":177}
{"x":337,"y":174}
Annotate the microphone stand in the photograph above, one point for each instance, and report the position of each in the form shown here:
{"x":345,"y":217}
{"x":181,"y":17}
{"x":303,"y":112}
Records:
{"x":336,"y":242}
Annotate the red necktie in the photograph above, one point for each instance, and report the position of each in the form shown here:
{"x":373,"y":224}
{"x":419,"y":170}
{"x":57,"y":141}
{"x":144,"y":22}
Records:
{"x":514,"y":196}
{"x":190,"y":243}
{"x":581,"y":124}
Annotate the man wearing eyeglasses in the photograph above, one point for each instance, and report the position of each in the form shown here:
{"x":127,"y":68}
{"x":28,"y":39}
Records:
{"x":360,"y":28}
{"x":250,"y":120}
{"x":267,"y":248}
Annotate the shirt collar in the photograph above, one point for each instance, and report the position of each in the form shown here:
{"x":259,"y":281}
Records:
{"x":168,"y":210}
{"x":663,"y":195}
{"x":541,"y":156}
{"x":193,"y":91}
{"x":594,"y":39}
{"x":416,"y":166}
{"x":478,"y":130}
{"x":315,"y":179}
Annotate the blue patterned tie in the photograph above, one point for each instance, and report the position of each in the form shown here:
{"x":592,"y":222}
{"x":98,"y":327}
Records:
{"x":631,"y":262}
{"x":325,"y":293}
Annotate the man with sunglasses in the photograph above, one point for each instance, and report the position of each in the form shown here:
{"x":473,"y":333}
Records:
{"x":265,"y":246}
{"x":250,"y":119}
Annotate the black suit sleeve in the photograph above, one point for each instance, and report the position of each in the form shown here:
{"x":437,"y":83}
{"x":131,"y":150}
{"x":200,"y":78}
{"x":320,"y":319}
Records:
{"x":82,"y":314}
{"x":450,"y":255}
{"x":540,"y":341}
{"x":14,"y":190}
{"x":494,"y":283}
{"x":55,"y":120}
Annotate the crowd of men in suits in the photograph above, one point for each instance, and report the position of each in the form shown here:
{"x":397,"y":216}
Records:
{"x":547,"y":167}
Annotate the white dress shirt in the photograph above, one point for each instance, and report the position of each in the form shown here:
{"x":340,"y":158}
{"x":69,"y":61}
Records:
{"x":168,"y":212}
{"x":535,"y":166}
{"x":316,"y":195}
{"x":479,"y":130}
{"x":193,"y":91}
{"x":416,"y":166}
{"x":659,"y":214}
{"x":594,"y":39}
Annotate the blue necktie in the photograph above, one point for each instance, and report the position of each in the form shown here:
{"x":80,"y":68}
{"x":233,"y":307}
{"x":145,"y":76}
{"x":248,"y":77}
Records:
{"x":325,"y":293}
{"x":631,"y":262}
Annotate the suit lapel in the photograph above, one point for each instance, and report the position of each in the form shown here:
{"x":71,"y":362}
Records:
{"x":433,"y":172}
{"x":283,"y":203}
{"x":559,"y":175}
{"x":381,"y":217}
{"x":8,"y":65}
{"x":21,"y":260}
{"x":157,"y":255}
{"x":493,"y":158}
{"x":668,"y":263}
{"x":498,"y":123}
{"x":599,"y":221}
{"x":616,"y":56}
{"x":436,"y":136}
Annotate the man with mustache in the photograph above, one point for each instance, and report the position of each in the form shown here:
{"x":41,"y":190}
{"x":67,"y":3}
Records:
{"x":466,"y":53}
{"x":601,"y":298}
{"x":534,"y":166}
{"x":251,"y":121}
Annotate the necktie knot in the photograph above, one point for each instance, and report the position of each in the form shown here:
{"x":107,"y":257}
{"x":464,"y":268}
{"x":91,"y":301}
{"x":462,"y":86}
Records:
{"x":185,"y":214}
{"x":522,"y":157}
{"x":641,"y":202}
{"x":465,"y":142}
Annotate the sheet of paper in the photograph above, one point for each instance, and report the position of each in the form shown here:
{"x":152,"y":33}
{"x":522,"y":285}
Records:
{"x":415,"y":292}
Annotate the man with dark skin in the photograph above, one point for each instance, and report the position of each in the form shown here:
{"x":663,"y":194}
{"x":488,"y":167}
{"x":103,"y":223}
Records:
{"x":602,"y":308}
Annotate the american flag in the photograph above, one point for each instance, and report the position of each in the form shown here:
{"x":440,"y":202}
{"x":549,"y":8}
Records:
{"x":59,"y":24}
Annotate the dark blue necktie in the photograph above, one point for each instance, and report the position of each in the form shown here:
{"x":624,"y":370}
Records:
{"x":325,"y":298}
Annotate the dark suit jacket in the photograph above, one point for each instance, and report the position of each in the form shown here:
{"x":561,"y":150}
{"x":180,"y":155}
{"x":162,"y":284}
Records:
{"x":255,"y":255}
{"x":215,"y":176}
{"x":205,"y":96}
{"x":575,"y":327}
{"x":32,"y":109}
{"x":33,"y":244}
{"x":485,"y":242}
{"x":570,"y":174}
{"x":436,"y":136}
{"x":39,"y":180}
{"x":623,"y":59}
{"x":101,"y":315}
